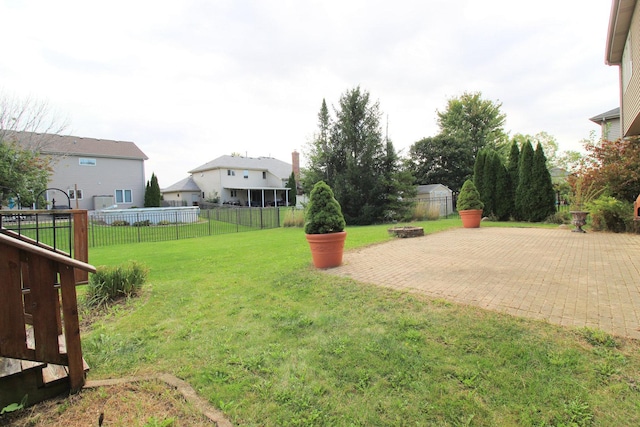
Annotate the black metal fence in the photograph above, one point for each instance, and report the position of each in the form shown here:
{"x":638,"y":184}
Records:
{"x":106,"y":228}
{"x":45,"y":227}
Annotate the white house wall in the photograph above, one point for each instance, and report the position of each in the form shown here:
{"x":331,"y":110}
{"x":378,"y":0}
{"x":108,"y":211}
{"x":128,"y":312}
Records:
{"x":221,"y":182}
{"x":103,"y":178}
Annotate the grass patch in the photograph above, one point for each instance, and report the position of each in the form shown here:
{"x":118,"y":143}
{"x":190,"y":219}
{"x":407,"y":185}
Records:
{"x":270,"y":341}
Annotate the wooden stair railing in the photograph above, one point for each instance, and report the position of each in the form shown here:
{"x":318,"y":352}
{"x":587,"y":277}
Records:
{"x":26,"y":268}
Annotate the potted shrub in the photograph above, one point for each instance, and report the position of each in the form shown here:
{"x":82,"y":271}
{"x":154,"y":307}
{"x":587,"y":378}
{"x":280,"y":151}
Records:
{"x":324,"y":227}
{"x":469,"y":205}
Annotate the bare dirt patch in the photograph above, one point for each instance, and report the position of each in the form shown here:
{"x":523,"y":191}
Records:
{"x":147,"y":403}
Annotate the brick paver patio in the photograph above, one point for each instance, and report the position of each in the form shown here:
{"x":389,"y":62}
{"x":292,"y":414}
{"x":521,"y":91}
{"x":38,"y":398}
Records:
{"x":565,"y":278}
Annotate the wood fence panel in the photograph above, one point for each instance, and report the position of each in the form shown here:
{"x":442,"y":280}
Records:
{"x":45,"y":320}
{"x":13,"y":338}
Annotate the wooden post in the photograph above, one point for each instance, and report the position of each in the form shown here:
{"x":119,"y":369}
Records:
{"x":71,"y":327}
{"x":81,"y":243}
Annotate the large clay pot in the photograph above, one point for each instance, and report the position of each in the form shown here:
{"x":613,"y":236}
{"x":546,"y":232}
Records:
{"x":471,"y":218}
{"x":327,"y":249}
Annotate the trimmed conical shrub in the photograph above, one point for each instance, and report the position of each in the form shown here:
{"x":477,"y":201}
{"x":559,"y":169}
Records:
{"x":324,"y":214}
{"x":469,"y":198}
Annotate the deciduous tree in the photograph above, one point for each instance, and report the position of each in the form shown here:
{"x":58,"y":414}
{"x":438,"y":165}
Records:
{"x":476,"y":122}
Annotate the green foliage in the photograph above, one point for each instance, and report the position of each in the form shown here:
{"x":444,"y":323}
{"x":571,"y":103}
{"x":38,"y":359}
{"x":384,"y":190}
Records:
{"x":610,"y":214}
{"x":274,"y":343}
{"x":152,"y":195}
{"x":469,"y":198}
{"x":324,"y":214}
{"x":597,"y":337}
{"x":440,"y":159}
{"x":111,"y":283}
{"x":524,"y":202}
{"x":503,"y":193}
{"x":352,"y":157}
{"x":22,"y":172}
{"x":559,"y":217}
{"x":542,"y":192}
{"x":154,"y":422}
{"x":142,"y":223}
{"x":13,"y":407}
{"x":546,"y":141}
{"x":293,"y":189}
{"x":478,"y":171}
{"x":120,"y":223}
{"x":477,"y":122}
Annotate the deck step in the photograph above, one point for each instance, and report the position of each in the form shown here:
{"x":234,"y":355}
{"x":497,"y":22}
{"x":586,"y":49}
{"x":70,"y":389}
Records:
{"x":39,"y":381}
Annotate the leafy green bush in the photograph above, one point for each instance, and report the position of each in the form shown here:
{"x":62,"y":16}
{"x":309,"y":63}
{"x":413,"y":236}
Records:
{"x":120,"y":223}
{"x":610,"y":214}
{"x":143,"y":223}
{"x":324,"y":214}
{"x":469,"y":198}
{"x":111,"y":283}
{"x":163,"y":222}
{"x":560,"y":217}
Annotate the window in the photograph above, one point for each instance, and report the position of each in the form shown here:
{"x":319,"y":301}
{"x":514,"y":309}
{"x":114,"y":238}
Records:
{"x":73,"y":194}
{"x":264,"y":175}
{"x":231,"y":173}
{"x":86,"y":162}
{"x":246,"y":174}
{"x":123,"y":196}
{"x":234,"y":193}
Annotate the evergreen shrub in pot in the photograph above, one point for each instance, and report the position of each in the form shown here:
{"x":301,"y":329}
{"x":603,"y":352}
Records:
{"x":324,"y":227}
{"x":469,"y":205}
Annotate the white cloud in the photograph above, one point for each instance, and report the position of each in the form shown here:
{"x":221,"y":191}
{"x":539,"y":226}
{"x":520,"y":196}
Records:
{"x":190,"y":81}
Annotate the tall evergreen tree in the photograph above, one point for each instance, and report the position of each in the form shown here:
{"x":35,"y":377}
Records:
{"x":291,"y":184}
{"x":489,"y":178}
{"x":504,"y":195}
{"x":524,"y":200}
{"x":542,"y":187}
{"x":356,"y":161}
{"x":478,"y":171}
{"x":319,"y":153}
{"x":512,"y":171}
{"x":152,"y":195}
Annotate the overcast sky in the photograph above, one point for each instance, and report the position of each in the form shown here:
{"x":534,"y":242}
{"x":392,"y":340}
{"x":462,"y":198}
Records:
{"x":191,"y":80}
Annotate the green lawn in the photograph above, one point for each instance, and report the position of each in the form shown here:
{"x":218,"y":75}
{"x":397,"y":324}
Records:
{"x":247,"y":321}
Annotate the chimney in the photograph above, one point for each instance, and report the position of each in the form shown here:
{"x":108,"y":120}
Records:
{"x":295,"y":161}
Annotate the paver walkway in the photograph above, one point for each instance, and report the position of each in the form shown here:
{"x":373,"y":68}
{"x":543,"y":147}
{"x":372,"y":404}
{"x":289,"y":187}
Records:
{"x":566,"y":278}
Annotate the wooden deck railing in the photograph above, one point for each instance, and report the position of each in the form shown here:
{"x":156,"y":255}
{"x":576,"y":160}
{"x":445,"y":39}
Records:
{"x":33,"y":278}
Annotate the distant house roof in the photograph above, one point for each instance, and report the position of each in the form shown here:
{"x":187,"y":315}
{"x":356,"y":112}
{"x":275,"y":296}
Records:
{"x":277,"y":167}
{"x":186,"y":185}
{"x":606,"y":116}
{"x":75,"y":145}
{"x":425,"y":189}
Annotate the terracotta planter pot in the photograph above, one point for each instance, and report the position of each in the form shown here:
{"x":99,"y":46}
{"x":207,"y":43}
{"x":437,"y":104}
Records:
{"x":327,"y":249}
{"x":471,"y":218}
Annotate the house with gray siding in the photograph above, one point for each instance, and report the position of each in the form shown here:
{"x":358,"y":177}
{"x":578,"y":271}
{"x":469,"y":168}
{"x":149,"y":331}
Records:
{"x":609,"y":122}
{"x":235,"y":180}
{"x":623,"y":50}
{"x":94,"y":173}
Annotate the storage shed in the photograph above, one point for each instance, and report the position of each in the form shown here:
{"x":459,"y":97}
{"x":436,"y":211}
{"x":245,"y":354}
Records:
{"x":436,"y":194}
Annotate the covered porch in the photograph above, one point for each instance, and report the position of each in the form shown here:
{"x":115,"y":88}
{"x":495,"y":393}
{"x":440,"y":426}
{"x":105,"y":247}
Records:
{"x":260,"y":197}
